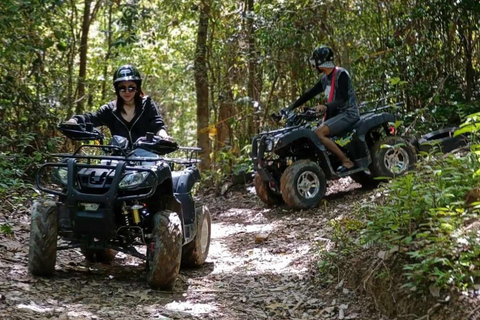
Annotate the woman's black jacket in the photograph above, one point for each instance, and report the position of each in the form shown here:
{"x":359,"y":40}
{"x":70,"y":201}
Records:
{"x":146,"y":119}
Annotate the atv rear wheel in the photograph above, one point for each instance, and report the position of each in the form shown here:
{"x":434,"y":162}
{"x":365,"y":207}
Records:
{"x":303,"y":184}
{"x":99,"y":255}
{"x":164,"y":253}
{"x":392,"y":157}
{"x":42,"y":253}
{"x":195,"y":252}
{"x":265,"y":193}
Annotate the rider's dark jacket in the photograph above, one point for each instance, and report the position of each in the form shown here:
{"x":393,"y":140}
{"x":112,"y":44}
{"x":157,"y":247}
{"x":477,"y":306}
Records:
{"x":344,"y":100}
{"x":146,"y":119}
{"x":342,"y":112}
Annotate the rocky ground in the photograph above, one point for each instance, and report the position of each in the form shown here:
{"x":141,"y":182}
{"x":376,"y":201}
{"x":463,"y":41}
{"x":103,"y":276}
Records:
{"x":263,"y":264}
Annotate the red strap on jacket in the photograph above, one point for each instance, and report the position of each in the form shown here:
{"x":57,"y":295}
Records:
{"x":332,"y":91}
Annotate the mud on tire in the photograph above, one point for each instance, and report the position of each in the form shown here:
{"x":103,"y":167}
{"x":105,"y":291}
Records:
{"x":42,"y":253}
{"x":267,"y":195}
{"x":195,"y":252}
{"x":164,"y":253}
{"x":303,"y":184}
{"x":393,"y":160}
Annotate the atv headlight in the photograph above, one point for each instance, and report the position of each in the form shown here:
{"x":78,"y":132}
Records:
{"x":131,"y":180}
{"x":60,"y":174}
{"x":268,"y":145}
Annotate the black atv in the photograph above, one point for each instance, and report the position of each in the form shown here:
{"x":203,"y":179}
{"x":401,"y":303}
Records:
{"x":112,"y":199}
{"x":292,"y":165}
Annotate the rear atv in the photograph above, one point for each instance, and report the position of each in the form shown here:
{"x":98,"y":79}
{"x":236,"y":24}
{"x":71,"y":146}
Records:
{"x":293,"y":164}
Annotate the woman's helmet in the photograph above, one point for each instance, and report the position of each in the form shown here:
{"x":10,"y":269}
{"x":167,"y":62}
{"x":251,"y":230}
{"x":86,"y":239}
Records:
{"x":322,"y":57}
{"x":127,"y":72}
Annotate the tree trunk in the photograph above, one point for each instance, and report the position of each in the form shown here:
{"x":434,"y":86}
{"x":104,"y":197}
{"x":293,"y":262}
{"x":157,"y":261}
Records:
{"x":109,"y":52}
{"x":201,"y":84}
{"x":72,"y":52}
{"x":253,"y":91}
{"x":88,"y":17}
{"x":469,"y":72}
{"x":226,"y":107}
{"x":83,"y":57}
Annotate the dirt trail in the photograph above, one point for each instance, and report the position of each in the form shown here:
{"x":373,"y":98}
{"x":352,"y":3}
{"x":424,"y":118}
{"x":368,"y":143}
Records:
{"x":272,"y":278}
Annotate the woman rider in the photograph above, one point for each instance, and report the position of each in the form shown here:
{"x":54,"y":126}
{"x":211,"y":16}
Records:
{"x":132,"y":114}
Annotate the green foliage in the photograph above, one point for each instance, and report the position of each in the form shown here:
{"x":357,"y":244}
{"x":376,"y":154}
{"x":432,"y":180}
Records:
{"x":471,"y":125}
{"x":229,"y":163}
{"x":21,"y":161}
{"x":420,"y":52}
{"x":5,"y":228}
{"x":423,"y":214}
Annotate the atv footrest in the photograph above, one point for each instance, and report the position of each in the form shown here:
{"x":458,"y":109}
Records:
{"x":350,"y":172}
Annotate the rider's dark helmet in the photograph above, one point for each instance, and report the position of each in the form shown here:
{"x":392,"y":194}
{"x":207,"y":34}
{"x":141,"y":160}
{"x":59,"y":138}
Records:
{"x":127,"y":72}
{"x":322,"y":57}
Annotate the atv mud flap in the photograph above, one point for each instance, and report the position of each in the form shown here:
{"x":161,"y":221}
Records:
{"x":183,"y":182}
{"x":98,"y":224}
{"x":258,"y":151}
{"x":92,"y":214}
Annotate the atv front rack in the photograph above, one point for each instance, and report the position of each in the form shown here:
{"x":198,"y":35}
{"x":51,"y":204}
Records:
{"x":111,"y":195}
{"x":190,"y":151}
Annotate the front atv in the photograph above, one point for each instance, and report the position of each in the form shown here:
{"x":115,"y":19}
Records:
{"x":293,"y":166}
{"x":110,"y":198}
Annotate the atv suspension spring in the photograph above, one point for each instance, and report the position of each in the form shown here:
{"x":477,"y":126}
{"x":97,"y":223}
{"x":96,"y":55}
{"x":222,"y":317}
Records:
{"x":125,"y":214}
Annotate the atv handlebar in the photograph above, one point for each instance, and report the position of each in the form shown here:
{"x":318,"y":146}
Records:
{"x":293,"y":119}
{"x":81,"y":131}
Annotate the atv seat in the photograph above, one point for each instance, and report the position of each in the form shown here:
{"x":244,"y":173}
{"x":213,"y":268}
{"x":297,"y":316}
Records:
{"x":370,"y":120}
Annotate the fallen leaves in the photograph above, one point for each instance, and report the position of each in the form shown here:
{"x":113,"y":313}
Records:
{"x":261,"y":266}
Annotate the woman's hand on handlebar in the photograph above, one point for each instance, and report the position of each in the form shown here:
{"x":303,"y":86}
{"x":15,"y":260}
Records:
{"x":320,"y":108}
{"x":70,"y":121}
{"x":164,"y":135}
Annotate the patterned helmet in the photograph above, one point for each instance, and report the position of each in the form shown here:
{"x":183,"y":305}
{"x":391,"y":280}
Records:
{"x":126,"y":73}
{"x":322,"y":57}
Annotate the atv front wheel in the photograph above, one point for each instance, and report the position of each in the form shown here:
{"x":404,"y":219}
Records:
{"x":42,"y":253}
{"x":265,"y":193}
{"x":392,"y":157}
{"x":195,"y":252}
{"x":164,"y":253}
{"x":303,"y":184}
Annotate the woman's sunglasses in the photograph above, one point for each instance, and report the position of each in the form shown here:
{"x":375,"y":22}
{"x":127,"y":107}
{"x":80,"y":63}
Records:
{"x":124,"y":89}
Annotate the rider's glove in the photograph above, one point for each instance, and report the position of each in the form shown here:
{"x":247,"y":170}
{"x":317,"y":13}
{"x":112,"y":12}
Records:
{"x":285,"y":113}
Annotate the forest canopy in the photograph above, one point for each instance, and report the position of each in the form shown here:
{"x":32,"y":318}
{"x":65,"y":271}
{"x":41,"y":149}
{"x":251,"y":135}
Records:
{"x":218,"y":68}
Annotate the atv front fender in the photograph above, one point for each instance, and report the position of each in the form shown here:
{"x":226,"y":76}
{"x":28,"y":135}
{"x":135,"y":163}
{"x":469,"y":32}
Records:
{"x":297,"y":134}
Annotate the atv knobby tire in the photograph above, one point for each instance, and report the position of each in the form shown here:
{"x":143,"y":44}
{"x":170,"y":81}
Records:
{"x":99,"y":255}
{"x":195,"y":252}
{"x":164,"y":254}
{"x":42,"y":253}
{"x":392,"y":157}
{"x":267,"y":195}
{"x":303,"y":184}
